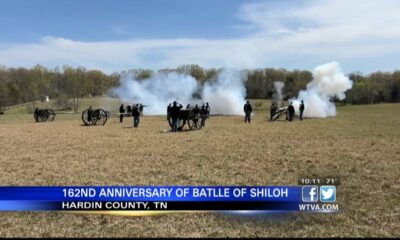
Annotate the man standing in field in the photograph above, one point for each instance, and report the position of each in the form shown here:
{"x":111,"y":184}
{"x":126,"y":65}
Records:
{"x":90,"y":113}
{"x":169,"y":111}
{"x":208,"y":109}
{"x":174,"y":114}
{"x":274,"y":107}
{"x":291,"y":111}
{"x":36,"y":114}
{"x":301,"y":109}
{"x":129,"y":109}
{"x":204,"y":113}
{"x":136,"y":115}
{"x":141,"y":109}
{"x":121,"y":113}
{"x":197,"y":110}
{"x":248,"y":109}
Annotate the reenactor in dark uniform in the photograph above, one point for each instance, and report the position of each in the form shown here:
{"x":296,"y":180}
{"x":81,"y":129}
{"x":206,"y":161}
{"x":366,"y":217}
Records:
{"x":196,"y":109}
{"x":204,"y":113}
{"x":121,"y":113}
{"x":141,"y":109}
{"x":274,"y":108}
{"x":301,"y":109}
{"x":208,"y":109}
{"x":290,"y":111}
{"x":248,"y":109}
{"x":129,"y":109}
{"x":169,"y":111}
{"x":174,"y":113}
{"x":136,"y":115}
{"x":90,"y":113}
{"x":36,"y":114}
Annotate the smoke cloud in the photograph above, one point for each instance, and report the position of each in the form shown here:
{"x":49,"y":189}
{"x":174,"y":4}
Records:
{"x":226,"y":94}
{"x":328,"y":81}
{"x":278,"y":85}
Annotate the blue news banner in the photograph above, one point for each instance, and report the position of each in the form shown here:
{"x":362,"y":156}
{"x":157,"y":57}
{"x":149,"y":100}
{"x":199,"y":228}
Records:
{"x":152,"y":198}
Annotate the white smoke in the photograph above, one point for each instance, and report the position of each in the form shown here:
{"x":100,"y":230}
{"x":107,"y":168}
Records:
{"x":278,"y":85}
{"x":225,"y":95}
{"x":328,"y":81}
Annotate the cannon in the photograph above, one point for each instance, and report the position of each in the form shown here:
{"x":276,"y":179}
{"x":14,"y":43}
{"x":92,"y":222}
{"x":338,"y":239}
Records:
{"x":44,"y":115}
{"x":94,"y":116}
{"x":278,"y":113}
{"x":192,"y":116}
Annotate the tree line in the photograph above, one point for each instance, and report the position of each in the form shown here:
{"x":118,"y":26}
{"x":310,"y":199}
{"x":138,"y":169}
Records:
{"x":68,"y":84}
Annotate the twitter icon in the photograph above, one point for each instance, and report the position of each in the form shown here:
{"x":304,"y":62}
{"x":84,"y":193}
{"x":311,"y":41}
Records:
{"x":327,"y":194}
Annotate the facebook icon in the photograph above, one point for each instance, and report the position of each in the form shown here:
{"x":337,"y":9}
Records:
{"x":310,"y":193}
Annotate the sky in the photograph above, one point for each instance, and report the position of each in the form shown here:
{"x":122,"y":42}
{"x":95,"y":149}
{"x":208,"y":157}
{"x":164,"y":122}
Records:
{"x":116,"y":35}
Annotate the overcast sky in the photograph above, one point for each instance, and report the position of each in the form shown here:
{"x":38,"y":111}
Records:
{"x":122,"y":34}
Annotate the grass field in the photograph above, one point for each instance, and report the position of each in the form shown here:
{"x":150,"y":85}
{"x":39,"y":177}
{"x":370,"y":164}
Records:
{"x":361,"y":145}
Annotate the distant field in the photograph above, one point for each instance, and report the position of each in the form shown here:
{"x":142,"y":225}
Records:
{"x":360,"y":145}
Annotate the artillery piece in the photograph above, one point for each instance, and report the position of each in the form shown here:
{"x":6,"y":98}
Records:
{"x":192,"y":116}
{"x":94,"y":117}
{"x":44,"y":115}
{"x":280,"y":112}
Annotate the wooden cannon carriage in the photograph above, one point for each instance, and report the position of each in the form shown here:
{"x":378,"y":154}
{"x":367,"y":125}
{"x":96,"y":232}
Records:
{"x":94,"y":116}
{"x":44,"y":115}
{"x":193,"y":117}
{"x":279,"y":113}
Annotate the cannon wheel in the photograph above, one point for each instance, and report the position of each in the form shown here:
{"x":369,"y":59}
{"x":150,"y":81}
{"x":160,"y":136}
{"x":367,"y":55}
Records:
{"x":101,"y":116}
{"x":85,"y":118}
{"x":194,"y":121}
{"x":43,"y":115}
{"x":51,"y":115}
{"x":182,"y":123}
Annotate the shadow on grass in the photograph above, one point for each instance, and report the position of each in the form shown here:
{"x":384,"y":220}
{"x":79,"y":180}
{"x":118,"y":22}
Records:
{"x":83,"y":125}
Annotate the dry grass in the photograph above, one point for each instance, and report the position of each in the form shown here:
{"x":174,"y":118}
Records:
{"x":361,"y":145}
